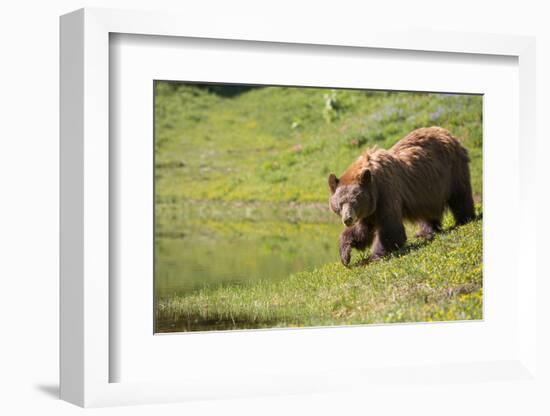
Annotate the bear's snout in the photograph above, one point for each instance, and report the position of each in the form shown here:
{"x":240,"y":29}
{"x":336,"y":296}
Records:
{"x":348,"y":217}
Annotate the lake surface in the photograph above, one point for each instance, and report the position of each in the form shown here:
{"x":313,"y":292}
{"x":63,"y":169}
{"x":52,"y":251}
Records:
{"x":196,"y":247}
{"x":190,"y":262}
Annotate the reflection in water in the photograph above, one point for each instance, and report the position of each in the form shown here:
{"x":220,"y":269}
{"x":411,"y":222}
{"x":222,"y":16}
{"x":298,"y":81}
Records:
{"x":219,"y":254}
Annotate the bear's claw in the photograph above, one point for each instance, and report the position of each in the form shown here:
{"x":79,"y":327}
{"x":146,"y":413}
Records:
{"x":345,"y":254}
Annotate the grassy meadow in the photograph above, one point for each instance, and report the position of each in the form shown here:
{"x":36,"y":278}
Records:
{"x":244,"y":237}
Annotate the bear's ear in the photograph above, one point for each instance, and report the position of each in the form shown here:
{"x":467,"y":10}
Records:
{"x":332,"y":182}
{"x":366,"y":177}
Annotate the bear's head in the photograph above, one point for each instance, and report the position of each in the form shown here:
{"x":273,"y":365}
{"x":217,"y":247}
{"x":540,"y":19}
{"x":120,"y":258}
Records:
{"x":353,"y":200}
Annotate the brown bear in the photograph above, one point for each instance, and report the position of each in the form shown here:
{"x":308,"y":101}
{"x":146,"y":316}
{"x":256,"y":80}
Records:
{"x":415,"y":180}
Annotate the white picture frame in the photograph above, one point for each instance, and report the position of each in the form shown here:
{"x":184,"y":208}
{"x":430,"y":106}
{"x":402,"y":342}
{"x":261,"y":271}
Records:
{"x":86,"y":294}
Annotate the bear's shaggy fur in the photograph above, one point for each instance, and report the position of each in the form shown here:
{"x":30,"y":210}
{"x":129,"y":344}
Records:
{"x":415,"y":180}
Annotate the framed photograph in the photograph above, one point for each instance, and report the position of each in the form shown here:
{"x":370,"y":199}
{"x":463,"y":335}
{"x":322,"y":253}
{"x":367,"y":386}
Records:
{"x":245,"y":239}
{"x":272,"y":212}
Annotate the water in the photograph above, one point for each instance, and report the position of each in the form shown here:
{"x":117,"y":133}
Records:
{"x":217,"y":253}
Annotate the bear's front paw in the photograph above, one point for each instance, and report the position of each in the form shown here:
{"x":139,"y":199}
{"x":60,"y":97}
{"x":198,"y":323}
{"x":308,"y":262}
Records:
{"x":425,"y":234}
{"x":374,"y":257}
{"x":377,"y":253}
{"x":345,"y":254}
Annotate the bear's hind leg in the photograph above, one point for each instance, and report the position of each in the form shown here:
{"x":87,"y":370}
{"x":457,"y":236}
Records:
{"x":461,"y":203}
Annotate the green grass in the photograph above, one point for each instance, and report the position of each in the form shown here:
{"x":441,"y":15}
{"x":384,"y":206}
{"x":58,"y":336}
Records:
{"x":436,"y":281}
{"x":280,"y":144}
{"x":253,"y":167}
